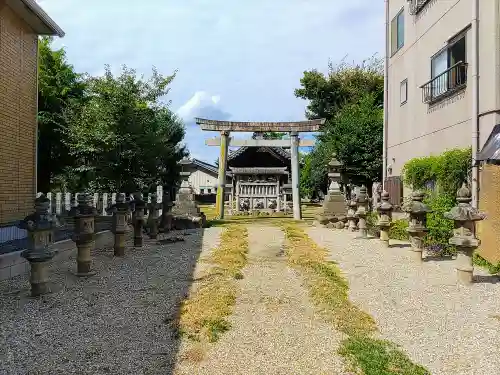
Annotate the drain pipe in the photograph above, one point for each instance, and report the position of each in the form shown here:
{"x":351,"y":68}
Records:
{"x":475,"y":101}
{"x":386,"y":94}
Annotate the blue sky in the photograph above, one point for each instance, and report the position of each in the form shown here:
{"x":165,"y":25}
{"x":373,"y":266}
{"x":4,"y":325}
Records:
{"x":236,"y":60}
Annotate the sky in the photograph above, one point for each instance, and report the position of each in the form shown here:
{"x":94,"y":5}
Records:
{"x":235,"y":60}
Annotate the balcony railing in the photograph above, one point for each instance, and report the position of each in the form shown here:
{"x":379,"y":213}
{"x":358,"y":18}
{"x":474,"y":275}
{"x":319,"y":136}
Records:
{"x":448,"y":82}
{"x":417,"y":5}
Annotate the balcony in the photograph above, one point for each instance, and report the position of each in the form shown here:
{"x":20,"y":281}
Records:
{"x":445,"y":84}
{"x":417,"y":5}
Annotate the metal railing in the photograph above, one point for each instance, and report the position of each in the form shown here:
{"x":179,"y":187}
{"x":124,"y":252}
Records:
{"x":448,"y":82}
{"x":416,"y":6}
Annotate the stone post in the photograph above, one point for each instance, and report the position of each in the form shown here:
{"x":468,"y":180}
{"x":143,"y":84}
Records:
{"x":167,"y":205}
{"x":352,"y":206}
{"x":153,"y":215}
{"x":362,"y":211}
{"x":464,"y":234}
{"x":120,"y":228}
{"x":294,"y":152}
{"x":84,"y":216}
{"x":384,"y":209}
{"x":417,"y":230}
{"x":224,"y":144}
{"x":40,"y":226}
{"x":138,"y":205}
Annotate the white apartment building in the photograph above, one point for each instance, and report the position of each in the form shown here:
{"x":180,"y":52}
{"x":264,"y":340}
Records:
{"x":442,"y":81}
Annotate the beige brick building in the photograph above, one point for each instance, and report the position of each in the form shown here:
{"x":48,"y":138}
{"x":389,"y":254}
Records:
{"x":442,"y":90}
{"x":21,"y":22}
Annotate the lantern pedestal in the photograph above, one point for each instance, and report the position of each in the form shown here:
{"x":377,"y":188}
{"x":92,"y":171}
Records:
{"x":39,"y":279}
{"x":465,"y":268}
{"x":417,"y":246}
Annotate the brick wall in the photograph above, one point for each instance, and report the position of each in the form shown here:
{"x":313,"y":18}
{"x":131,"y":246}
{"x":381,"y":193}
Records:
{"x":18,"y":111}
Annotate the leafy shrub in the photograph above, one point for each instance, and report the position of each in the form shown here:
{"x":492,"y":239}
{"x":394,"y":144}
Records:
{"x":371,"y":223}
{"x":398,"y":230}
{"x":440,"y":228}
{"x":448,"y":170}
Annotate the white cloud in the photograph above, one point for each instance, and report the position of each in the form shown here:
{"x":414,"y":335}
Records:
{"x":202,"y":104}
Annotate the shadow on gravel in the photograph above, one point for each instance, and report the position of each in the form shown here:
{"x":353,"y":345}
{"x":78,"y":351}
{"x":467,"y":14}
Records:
{"x":124,"y":320}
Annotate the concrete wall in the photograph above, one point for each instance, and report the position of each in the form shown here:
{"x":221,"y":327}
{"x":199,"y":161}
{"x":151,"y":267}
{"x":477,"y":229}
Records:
{"x":416,"y":129}
{"x":12,"y":264}
{"x":18,"y":112}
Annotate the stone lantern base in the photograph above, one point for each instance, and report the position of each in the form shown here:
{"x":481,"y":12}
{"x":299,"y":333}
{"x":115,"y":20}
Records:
{"x":38,"y":276}
{"x":465,"y":268}
{"x":417,"y":247}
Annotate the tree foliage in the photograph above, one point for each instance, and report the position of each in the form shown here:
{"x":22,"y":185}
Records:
{"x":58,"y":85}
{"x":350,"y":97}
{"x":123,"y":137}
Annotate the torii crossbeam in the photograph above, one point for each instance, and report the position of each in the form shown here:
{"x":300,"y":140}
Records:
{"x":294,"y":128}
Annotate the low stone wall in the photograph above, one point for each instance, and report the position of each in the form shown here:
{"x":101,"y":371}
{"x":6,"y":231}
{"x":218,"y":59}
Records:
{"x":12,"y":264}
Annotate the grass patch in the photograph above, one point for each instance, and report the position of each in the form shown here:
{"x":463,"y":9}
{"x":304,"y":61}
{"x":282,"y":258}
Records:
{"x":330,"y":293}
{"x":204,"y":314}
{"x":378,"y":357}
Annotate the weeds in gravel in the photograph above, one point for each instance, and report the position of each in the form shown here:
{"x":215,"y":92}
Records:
{"x":204,"y":314}
{"x":329,"y":291}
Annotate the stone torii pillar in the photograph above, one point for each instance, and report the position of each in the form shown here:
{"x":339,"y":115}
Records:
{"x":294,"y":152}
{"x":219,"y":199}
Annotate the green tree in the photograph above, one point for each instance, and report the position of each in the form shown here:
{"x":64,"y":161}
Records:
{"x":356,"y":138}
{"x":347,"y":92}
{"x":124,"y":137}
{"x":58,"y":85}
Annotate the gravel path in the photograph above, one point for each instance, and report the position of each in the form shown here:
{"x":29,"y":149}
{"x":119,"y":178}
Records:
{"x":450,"y":329}
{"x":274,"y":327}
{"x":120,"y":321}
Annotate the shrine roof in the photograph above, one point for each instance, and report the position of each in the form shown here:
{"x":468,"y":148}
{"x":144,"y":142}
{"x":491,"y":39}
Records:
{"x":276,"y":150}
{"x":258,"y":170}
{"x":239,"y":126}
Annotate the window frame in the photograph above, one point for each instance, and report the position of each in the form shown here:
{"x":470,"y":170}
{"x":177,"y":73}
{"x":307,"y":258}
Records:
{"x":405,"y":83}
{"x":394,"y":32}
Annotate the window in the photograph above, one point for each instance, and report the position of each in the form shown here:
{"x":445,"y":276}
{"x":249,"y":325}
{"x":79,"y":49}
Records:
{"x":398,"y":32}
{"x":202,"y":191}
{"x":209,"y":191}
{"x":448,"y":70}
{"x":403,"y":92}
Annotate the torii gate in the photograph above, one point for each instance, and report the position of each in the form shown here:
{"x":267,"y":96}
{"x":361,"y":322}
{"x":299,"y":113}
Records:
{"x":294,"y":128}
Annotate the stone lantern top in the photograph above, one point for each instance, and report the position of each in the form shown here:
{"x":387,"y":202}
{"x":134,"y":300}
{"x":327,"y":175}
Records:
{"x":84,"y":207}
{"x":463,"y":211}
{"x":362,"y":197}
{"x":41,"y":219}
{"x":416,"y":205}
{"x":385,"y":205}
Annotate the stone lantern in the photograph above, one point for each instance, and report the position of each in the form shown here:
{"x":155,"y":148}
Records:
{"x":464,"y":234}
{"x":384,"y":209}
{"x":333,"y":205}
{"x":362,"y":202}
{"x":352,"y":219}
{"x":120,"y":228}
{"x":84,"y":214}
{"x":417,"y":210}
{"x":40,"y":226}
{"x":153,"y":215}
{"x":138,"y":205}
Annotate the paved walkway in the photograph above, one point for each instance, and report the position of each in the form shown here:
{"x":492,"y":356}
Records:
{"x":275,"y":330}
{"x":450,"y":329}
